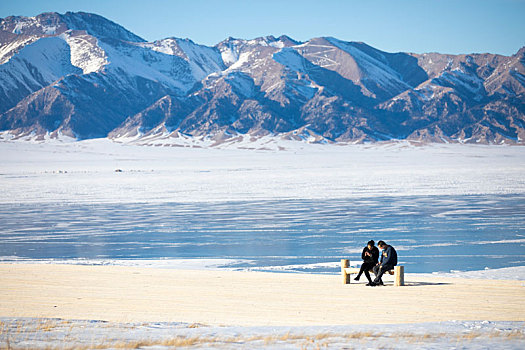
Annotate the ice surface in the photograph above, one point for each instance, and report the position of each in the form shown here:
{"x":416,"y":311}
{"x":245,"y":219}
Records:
{"x":279,"y":203}
{"x":302,"y":235}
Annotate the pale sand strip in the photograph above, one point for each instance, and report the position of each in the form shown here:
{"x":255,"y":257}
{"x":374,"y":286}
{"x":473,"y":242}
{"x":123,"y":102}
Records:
{"x":128,"y":294}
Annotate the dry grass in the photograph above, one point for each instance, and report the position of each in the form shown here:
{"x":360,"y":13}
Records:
{"x":318,"y":341}
{"x":23,"y":331}
{"x":196,"y":325}
{"x":47,"y":326}
{"x":19,"y":332}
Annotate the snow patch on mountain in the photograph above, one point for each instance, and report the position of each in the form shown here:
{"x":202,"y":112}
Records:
{"x":38,"y":64}
{"x":203,"y":60}
{"x":135,"y":60}
{"x":85,"y":52}
{"x":376,"y":70}
{"x":461,"y":80}
{"x":24,"y":23}
{"x":230,"y":50}
{"x":242,"y":60}
{"x":242,"y":84}
{"x":235,"y":50}
{"x":266,"y":41}
{"x":288,"y":57}
{"x":8,"y":50}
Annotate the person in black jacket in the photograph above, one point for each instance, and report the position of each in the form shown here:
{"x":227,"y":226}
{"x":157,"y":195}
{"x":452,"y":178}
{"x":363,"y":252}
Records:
{"x":370,"y":255}
{"x":388,"y":261}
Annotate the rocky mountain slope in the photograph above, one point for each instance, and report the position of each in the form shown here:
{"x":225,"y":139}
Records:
{"x":81,"y":75}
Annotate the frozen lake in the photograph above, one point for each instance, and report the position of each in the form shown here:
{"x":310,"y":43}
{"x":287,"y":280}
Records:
{"x":438,"y":233}
{"x":444,"y":207}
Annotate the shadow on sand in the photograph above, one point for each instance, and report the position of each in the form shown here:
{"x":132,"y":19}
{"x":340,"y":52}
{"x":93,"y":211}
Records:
{"x":417,"y":284}
{"x":413,"y":284}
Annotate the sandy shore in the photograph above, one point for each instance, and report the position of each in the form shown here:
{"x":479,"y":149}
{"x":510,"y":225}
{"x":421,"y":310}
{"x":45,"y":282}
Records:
{"x":128,"y":294}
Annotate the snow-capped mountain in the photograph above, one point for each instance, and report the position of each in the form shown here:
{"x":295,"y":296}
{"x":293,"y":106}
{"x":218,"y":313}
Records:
{"x":81,"y":75}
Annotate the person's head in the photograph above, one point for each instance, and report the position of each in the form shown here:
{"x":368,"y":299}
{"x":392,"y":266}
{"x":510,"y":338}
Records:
{"x":370,"y":244}
{"x":381,"y":244}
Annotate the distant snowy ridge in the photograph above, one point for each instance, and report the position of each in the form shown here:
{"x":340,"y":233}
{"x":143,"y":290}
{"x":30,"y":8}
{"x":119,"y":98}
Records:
{"x":83,"y":76}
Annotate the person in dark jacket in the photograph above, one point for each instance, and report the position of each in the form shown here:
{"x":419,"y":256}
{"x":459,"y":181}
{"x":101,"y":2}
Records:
{"x":388,"y":261}
{"x":370,"y":256}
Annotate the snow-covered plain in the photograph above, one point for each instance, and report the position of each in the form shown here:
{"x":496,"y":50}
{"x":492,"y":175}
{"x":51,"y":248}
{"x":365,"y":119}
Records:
{"x":80,"y":172}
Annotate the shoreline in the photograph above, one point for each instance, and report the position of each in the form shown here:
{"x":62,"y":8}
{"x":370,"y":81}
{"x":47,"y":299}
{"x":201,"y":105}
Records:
{"x":512,"y":273}
{"x":235,"y":298}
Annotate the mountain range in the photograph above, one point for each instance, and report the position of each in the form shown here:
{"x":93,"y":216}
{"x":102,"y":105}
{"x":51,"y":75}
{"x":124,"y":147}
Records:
{"x":84,"y":76}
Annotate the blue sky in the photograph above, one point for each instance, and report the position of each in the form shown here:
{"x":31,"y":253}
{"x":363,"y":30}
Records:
{"x":446,"y":26}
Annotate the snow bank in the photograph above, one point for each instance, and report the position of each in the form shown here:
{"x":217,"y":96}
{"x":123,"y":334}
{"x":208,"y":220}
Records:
{"x":506,"y":273}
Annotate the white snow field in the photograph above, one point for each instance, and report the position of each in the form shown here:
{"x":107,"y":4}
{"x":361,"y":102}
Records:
{"x":89,"y":171}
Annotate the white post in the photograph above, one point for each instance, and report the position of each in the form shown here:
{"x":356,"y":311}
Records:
{"x":399,"y":272}
{"x":346,"y":277}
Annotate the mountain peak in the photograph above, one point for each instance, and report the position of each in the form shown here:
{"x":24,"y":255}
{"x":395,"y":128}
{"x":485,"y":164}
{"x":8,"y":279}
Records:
{"x":98,"y":26}
{"x":288,"y":41}
{"x":48,"y":23}
{"x":53,"y":23}
{"x":268,"y":40}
